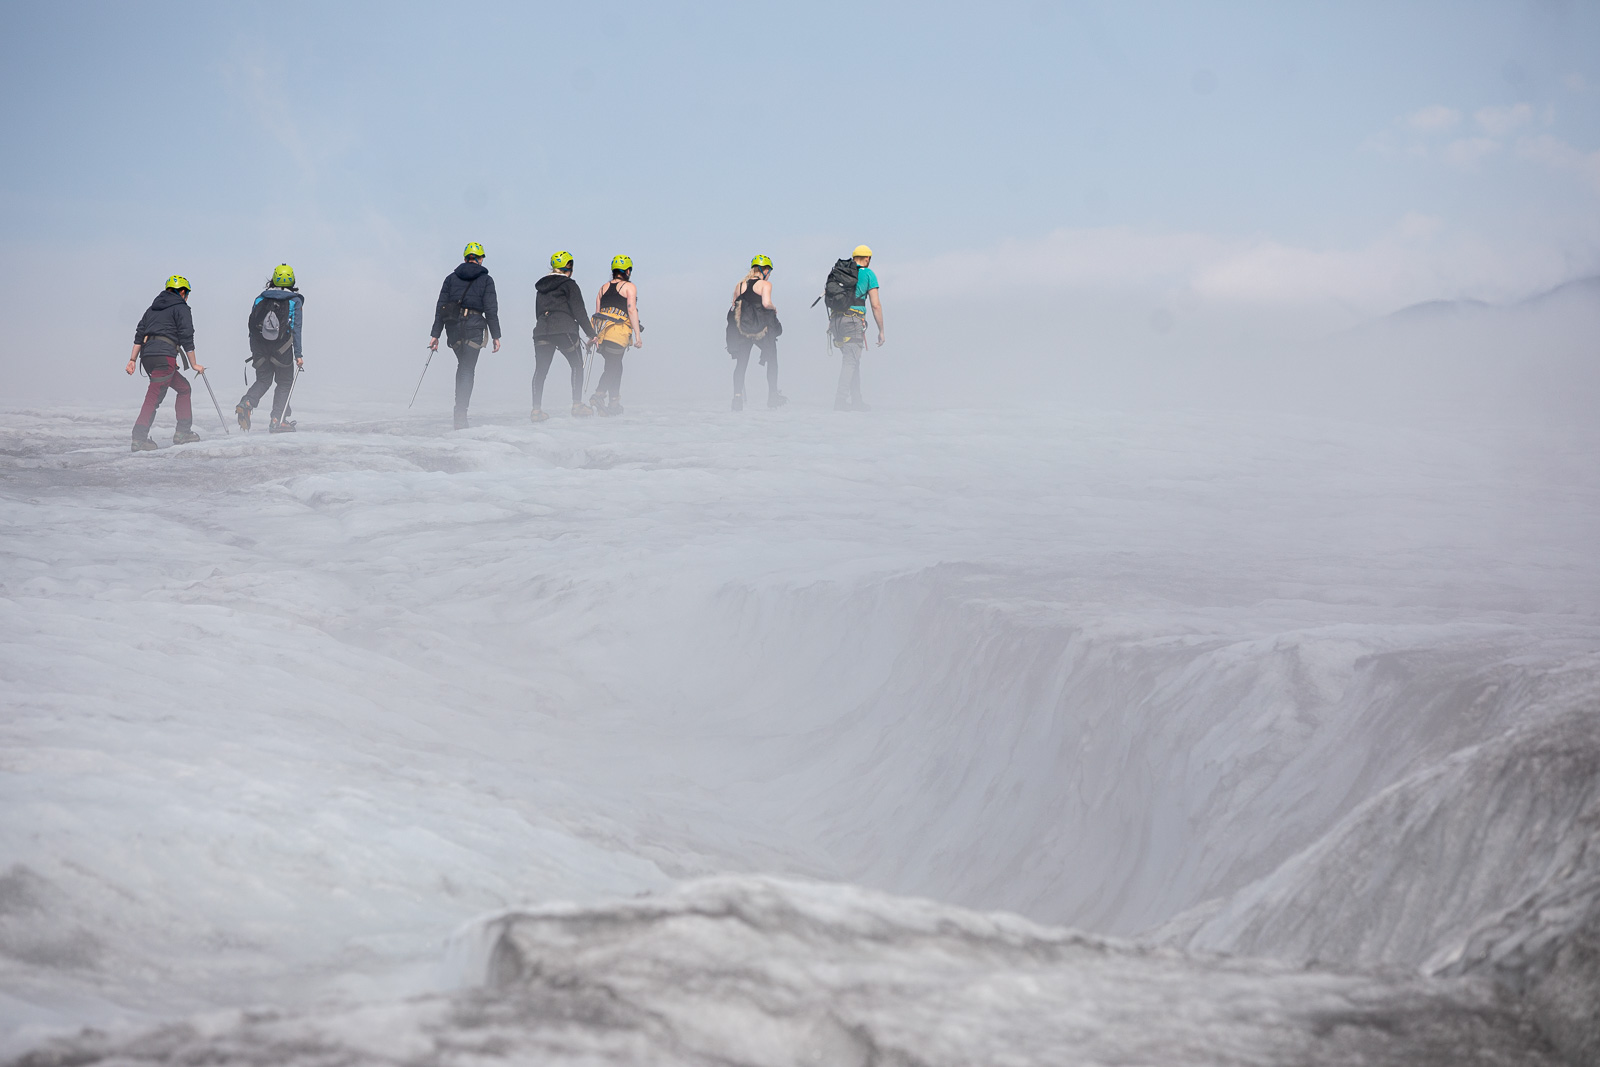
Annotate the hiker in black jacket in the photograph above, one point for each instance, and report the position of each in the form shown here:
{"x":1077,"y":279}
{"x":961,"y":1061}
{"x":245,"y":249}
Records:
{"x":469,"y":313}
{"x":561,"y":315}
{"x":165,"y":335}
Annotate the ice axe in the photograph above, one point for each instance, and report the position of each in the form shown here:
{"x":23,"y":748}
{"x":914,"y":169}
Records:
{"x":190,"y":366}
{"x":292,"y":383}
{"x":431,"y":350}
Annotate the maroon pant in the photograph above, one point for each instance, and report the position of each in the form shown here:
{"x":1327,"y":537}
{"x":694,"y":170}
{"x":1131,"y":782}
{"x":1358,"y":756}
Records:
{"x":163,"y":376}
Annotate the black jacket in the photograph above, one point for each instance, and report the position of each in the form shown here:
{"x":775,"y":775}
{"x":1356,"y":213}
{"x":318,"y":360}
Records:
{"x":170,"y":318}
{"x":560,"y":308}
{"x":471,"y":285}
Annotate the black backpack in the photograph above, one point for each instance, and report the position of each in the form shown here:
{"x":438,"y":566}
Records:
{"x":839,"y":292}
{"x":270,"y":334}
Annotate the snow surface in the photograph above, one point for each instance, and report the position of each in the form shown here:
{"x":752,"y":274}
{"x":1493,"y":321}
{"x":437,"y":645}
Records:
{"x":283,"y":712}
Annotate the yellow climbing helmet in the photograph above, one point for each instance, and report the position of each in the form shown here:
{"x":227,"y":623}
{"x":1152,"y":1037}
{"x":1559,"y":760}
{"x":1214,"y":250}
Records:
{"x":473,"y":249}
{"x":178,"y":281}
{"x":762,"y":261}
{"x":283,"y":276}
{"x":621,"y":263}
{"x":561,"y":261}
{"x":862,"y":250}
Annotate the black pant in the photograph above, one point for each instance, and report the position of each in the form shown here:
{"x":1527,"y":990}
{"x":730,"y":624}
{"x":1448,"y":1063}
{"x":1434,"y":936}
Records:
{"x":544,"y":353}
{"x":268,"y":372}
{"x":769,"y":358}
{"x":611,"y":379}
{"x":466,"y":368}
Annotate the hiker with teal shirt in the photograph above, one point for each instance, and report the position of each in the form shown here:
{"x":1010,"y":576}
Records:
{"x":850,"y":287}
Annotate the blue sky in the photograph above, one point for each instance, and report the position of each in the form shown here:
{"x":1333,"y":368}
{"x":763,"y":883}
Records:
{"x":1242,"y":151}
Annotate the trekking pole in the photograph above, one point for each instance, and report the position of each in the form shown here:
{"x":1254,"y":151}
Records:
{"x":424,"y":374}
{"x":214,"y":403}
{"x":588,"y":360}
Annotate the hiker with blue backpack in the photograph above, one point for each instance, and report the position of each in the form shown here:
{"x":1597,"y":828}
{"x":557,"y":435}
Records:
{"x":277,"y":348}
{"x":850,"y":287}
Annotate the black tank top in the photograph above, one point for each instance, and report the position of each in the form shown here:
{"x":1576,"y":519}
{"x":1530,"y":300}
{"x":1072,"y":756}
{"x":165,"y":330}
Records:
{"x":749,"y":300}
{"x":612,"y":297}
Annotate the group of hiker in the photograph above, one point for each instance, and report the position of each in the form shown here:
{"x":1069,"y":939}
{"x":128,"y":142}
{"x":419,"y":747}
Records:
{"x":467,"y":315}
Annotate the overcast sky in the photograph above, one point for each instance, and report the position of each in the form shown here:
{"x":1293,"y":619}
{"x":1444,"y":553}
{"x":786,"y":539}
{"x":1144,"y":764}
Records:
{"x":1348,"y":157}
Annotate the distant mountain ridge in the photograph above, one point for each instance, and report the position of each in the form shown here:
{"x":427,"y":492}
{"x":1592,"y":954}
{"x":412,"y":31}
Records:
{"x":1434,"y":309}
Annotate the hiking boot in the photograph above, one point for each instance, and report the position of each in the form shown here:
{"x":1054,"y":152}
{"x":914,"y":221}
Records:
{"x":537,"y":415}
{"x":144,"y":444}
{"x":776,"y":400}
{"x":183,"y":437}
{"x":860,"y":405}
{"x":615,"y":407}
{"x":738,"y":401}
{"x":841,"y":405}
{"x":461,"y":420}
{"x":598,"y":403}
{"x":242,"y":410}
{"x":282,"y":426}
{"x":581,"y":410}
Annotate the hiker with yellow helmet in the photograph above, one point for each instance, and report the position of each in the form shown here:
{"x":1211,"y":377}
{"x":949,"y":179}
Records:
{"x":165,"y":332}
{"x":851,"y":285}
{"x":277,"y":348}
{"x":616,"y":323}
{"x":559,"y":307}
{"x":469,"y":313}
{"x":753,"y":322}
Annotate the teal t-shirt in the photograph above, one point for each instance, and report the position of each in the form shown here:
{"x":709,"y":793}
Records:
{"x":866,"y":281}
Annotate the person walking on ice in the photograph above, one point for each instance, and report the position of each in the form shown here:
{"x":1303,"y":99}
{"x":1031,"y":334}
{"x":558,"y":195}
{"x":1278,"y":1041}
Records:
{"x":165,"y":332}
{"x":469,"y":314}
{"x":752,"y":322}
{"x":851,"y":286}
{"x":277,"y":348}
{"x":560,"y":309}
{"x":616,"y":323}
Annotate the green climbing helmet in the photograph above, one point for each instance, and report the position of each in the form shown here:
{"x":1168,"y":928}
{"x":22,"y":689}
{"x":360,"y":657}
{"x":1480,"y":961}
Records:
{"x":473,"y":249}
{"x":177,"y":281}
{"x":561,"y":261}
{"x":621,"y":263}
{"x":283,"y":276}
{"x":762,"y":261}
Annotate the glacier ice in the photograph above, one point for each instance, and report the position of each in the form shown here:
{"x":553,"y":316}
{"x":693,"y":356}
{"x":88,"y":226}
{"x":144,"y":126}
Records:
{"x":282,"y":714}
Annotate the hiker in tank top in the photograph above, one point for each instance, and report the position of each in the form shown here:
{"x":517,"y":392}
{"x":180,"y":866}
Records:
{"x":753,"y":322}
{"x":616,"y":324}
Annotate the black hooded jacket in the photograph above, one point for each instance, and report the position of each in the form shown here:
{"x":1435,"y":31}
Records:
{"x":167,"y":326}
{"x":471,"y":285}
{"x":560,"y":308}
